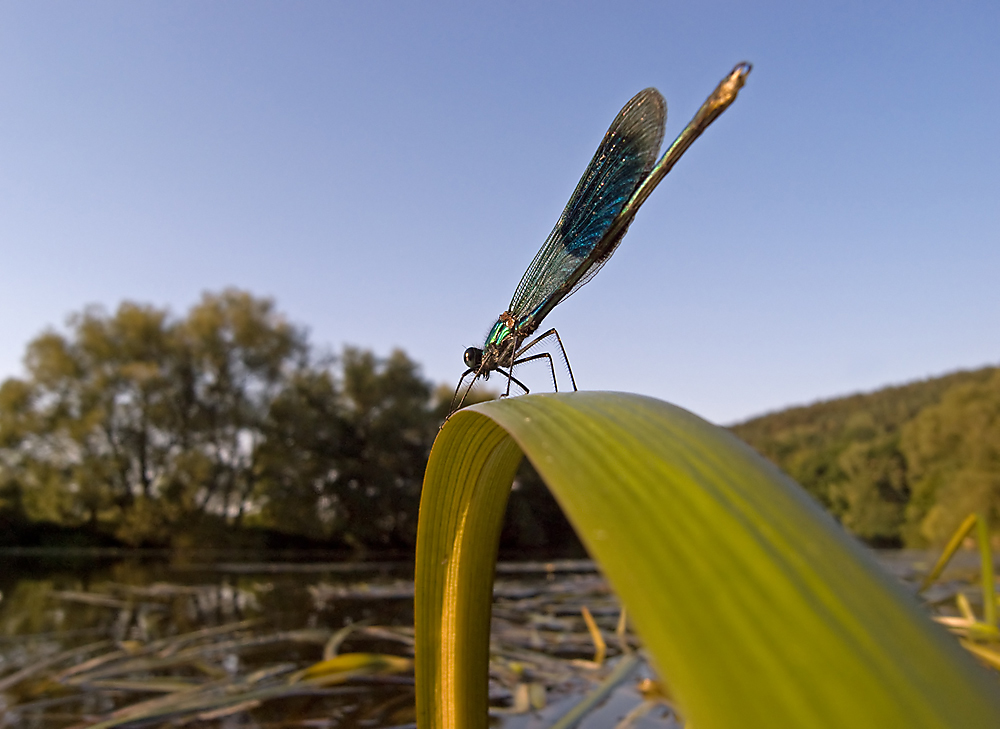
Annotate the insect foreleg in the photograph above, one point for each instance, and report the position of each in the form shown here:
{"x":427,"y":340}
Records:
{"x":456,"y":403}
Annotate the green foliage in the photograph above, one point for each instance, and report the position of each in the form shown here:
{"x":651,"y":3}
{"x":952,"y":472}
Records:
{"x":903,"y":465}
{"x":389,"y":438}
{"x":953,"y":453}
{"x":158,"y":430}
{"x":296,"y":461}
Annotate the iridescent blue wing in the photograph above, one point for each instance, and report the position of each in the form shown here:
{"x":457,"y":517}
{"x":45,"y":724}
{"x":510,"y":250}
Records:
{"x":622,"y":161}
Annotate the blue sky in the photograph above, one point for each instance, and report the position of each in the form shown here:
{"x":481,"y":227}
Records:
{"x":387,"y":170}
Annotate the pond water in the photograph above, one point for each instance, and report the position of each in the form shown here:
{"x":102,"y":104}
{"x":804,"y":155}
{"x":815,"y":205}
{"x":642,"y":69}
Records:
{"x":110,"y":639}
{"x":147,"y":640}
{"x":207,"y":621}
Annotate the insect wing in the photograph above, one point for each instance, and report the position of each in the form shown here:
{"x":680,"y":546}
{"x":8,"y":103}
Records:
{"x":622,"y":161}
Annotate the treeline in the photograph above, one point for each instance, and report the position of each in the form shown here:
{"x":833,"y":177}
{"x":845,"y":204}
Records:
{"x":223,"y":428}
{"x":901,"y":466}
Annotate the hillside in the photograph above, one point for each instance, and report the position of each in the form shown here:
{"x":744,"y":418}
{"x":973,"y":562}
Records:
{"x":900,"y":466}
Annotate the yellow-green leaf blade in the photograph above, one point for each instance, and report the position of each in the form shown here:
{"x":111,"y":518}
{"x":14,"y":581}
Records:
{"x":758,"y":609}
{"x":465,"y":493}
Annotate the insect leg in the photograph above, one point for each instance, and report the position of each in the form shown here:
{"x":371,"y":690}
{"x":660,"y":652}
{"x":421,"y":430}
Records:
{"x":510,"y":369}
{"x":543,"y":355}
{"x":562,"y":350}
{"x":455,"y":402}
{"x":510,"y":379}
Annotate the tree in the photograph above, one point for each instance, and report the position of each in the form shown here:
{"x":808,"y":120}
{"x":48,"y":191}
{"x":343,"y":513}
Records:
{"x":953,"y":452}
{"x":390,"y":430}
{"x":236,"y":355}
{"x":300,"y":458}
{"x":874,"y":490}
{"x":82,"y":431}
{"x":147,"y":427}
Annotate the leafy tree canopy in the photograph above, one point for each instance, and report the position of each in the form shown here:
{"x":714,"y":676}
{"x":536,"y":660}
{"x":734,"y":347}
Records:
{"x":149,"y":427}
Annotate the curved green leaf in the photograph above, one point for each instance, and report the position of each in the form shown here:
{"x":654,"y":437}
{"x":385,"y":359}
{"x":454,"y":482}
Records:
{"x":757,"y":608}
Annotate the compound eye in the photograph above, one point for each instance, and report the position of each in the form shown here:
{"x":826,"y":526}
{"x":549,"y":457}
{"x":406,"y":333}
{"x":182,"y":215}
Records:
{"x":473,"y":358}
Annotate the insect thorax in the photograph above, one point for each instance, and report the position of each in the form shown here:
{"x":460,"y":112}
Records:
{"x":498,"y":350}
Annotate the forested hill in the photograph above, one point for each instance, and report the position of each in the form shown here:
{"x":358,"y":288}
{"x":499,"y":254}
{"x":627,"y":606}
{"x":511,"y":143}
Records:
{"x":903,"y":465}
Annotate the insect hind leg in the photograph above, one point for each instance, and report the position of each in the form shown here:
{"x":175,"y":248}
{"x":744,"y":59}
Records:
{"x":518,"y":359}
{"x":510,"y":378}
{"x":543,"y":355}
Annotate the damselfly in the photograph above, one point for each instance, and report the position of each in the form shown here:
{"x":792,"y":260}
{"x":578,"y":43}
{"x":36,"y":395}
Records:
{"x":616,"y":183}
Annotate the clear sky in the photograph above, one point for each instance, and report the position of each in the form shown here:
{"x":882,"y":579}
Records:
{"x":387,"y":170}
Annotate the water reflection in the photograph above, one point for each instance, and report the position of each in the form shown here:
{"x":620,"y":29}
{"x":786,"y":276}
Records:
{"x":80,"y":640}
{"x":154,"y":642}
